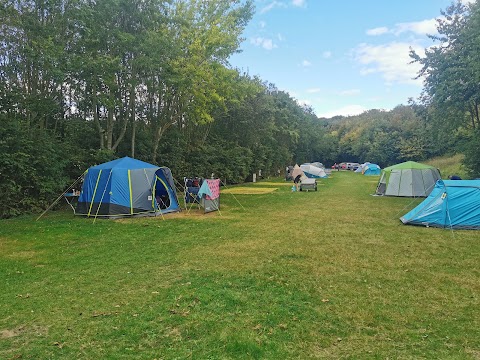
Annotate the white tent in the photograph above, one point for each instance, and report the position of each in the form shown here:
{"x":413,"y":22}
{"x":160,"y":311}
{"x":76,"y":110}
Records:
{"x":313,"y":171}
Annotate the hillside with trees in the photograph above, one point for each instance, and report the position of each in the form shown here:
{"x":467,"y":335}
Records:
{"x":85,"y":82}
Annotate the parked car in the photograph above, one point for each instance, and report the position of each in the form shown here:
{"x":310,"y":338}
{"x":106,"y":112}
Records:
{"x":352,"y":166}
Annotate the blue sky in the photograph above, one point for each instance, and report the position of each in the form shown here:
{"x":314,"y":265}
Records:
{"x":341,"y":57}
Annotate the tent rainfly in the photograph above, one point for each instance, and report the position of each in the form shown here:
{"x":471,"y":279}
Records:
{"x":360,"y":168}
{"x":453,"y":204}
{"x":313,"y":172}
{"x":371,"y":169}
{"x":410,"y":179}
{"x":127,"y":187}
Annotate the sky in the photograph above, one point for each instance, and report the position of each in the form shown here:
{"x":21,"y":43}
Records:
{"x":341,"y":57}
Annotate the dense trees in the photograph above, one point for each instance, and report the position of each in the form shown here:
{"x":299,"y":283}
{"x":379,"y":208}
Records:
{"x":451,"y":70}
{"x":82,"y":82}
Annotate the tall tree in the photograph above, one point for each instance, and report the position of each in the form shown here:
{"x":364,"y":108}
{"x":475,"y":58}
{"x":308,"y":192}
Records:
{"x":32,"y":61}
{"x":451,"y":68}
{"x":205,"y":34}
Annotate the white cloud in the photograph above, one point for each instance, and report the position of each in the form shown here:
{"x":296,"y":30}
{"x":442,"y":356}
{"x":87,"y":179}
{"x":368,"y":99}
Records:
{"x":306,"y":63}
{"x":299,"y":3}
{"x":327,"y":54}
{"x":349,"y":92}
{"x":267,"y":44}
{"x":313,"y":90}
{"x":271,"y":6}
{"x":349,"y":110}
{"x":423,"y":27}
{"x":377,"y":31}
{"x":391,"y":60}
{"x":418,"y":27}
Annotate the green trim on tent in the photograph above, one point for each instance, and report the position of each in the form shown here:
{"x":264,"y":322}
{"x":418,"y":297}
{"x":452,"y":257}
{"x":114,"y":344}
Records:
{"x":408,"y":165}
{"x":130,"y":189}
{"x":164,"y":185}
{"x":94,"y":192}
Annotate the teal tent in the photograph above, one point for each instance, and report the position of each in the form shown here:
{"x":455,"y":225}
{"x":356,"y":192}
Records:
{"x":371,"y":169}
{"x":452,"y":204}
{"x":127,"y":187}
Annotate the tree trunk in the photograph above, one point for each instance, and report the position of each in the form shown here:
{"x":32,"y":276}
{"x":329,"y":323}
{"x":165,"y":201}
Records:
{"x":163,"y":113}
{"x":110,"y":123}
{"x":134,"y":128}
{"x":475,"y":106}
{"x":96,"y":120}
{"x":132,"y":118}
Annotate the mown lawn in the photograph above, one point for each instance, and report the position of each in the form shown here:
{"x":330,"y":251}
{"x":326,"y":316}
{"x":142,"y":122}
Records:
{"x":319,"y":275}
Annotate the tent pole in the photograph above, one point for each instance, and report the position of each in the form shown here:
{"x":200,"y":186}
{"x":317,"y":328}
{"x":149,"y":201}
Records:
{"x":450,"y":219}
{"x":101,"y":200}
{"x":155,"y":187}
{"x":175,"y":188}
{"x":161,"y":213}
{"x":233,"y":195}
{"x":184,"y":191}
{"x":218,"y":208}
{"x":57,"y":199}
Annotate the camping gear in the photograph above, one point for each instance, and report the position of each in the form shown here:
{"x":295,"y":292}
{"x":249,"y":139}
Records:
{"x":360,"y":168}
{"x":308,"y":184}
{"x":192,"y":186}
{"x":127,"y":187}
{"x":288,"y":173}
{"x":452,"y":204}
{"x":209,"y":195}
{"x":317,"y":164}
{"x":313,"y":171}
{"x":410,"y":179}
{"x":371,"y":169}
{"x":297,"y":171}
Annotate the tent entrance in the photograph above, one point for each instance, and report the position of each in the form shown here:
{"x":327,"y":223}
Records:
{"x":162,"y":196}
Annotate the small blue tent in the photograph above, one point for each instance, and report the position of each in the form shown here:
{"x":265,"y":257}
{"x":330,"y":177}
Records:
{"x":451,"y":204}
{"x":371,"y":169}
{"x":127,"y":187}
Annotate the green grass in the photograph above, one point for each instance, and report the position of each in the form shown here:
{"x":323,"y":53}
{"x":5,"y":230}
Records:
{"x":449,"y":165}
{"x":331,"y":274}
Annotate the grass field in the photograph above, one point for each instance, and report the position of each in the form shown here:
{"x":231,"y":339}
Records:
{"x":331,"y":274}
{"x":450,"y":165}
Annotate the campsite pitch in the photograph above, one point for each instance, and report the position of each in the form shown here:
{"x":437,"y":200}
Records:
{"x":248,"y":190}
{"x":331,"y":274}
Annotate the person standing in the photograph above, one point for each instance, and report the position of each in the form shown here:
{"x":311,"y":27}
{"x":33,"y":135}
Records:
{"x":296,"y":181}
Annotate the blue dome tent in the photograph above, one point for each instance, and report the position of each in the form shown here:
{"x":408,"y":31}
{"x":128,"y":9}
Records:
{"x":371,"y":169}
{"x":127,"y":187}
{"x":453,"y":204}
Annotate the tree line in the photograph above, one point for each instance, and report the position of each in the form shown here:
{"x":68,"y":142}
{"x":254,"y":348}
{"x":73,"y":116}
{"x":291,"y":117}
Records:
{"x":83,"y":82}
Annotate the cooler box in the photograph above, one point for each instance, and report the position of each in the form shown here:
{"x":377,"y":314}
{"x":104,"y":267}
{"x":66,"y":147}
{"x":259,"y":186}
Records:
{"x":308,"y":184}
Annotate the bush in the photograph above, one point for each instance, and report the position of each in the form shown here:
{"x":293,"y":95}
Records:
{"x":472,"y":155}
{"x":32,"y":169}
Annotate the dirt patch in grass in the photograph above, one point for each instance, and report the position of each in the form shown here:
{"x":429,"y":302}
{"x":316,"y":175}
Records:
{"x":7,"y":334}
{"x":248,"y":190}
{"x":33,"y":330}
{"x":24,"y":254}
{"x":266,"y":183}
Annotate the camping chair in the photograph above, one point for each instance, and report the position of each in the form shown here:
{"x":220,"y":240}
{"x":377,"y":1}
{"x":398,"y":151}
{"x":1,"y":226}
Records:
{"x":192,"y":187}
